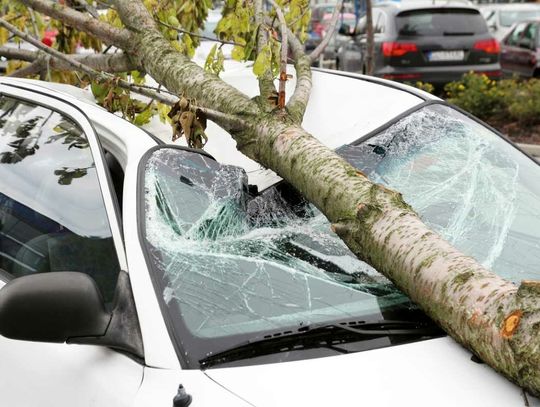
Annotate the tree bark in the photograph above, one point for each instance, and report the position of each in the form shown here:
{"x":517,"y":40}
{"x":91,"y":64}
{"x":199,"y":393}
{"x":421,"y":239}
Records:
{"x":495,"y":319}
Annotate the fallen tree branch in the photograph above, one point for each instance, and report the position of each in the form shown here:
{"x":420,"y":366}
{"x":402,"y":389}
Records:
{"x":283,"y":56}
{"x":30,"y":70}
{"x":105,"y":32}
{"x":267,"y":90}
{"x":302,"y":64}
{"x":111,"y":63}
{"x":191,"y":34}
{"x":182,"y":76}
{"x":96,"y":75}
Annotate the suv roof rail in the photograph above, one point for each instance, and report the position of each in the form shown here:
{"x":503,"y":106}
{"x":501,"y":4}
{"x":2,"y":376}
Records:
{"x":398,"y":4}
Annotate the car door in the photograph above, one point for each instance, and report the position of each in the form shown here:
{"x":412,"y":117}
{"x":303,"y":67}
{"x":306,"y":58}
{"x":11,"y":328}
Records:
{"x":57,"y":214}
{"x":527,"y":56}
{"x":511,"y":53}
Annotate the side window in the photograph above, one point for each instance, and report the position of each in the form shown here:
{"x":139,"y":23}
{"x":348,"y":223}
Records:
{"x":515,"y":35}
{"x":52,"y":215}
{"x":529,"y":37}
{"x":380,"y":24}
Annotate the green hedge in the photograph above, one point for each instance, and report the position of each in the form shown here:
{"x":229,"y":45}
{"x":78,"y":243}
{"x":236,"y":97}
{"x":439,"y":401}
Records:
{"x":510,"y":99}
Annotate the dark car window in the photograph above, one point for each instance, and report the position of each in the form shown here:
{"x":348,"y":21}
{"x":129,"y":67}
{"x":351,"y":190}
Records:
{"x":441,"y":21}
{"x":52,"y":215}
{"x":380,"y":23}
{"x":529,"y":37}
{"x":515,"y":36}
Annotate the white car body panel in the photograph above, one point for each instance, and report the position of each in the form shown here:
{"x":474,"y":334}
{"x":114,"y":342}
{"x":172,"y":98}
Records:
{"x":60,"y":375}
{"x":436,"y":372}
{"x":121,"y":136}
{"x":161,"y":385}
{"x":425,"y":373}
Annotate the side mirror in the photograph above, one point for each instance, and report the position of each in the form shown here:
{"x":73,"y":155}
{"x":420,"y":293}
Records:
{"x":52,"y":307}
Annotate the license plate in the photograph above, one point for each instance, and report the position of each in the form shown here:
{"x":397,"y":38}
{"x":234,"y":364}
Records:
{"x":434,"y":56}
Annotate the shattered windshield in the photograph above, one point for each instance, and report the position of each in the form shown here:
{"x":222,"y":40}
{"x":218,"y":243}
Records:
{"x":234,"y":265}
{"x":466,"y":182}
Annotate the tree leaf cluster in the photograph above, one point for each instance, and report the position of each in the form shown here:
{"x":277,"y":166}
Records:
{"x":119,"y":100}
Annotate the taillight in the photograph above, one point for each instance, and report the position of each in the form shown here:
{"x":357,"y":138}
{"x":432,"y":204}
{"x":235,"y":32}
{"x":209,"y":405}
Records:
{"x":397,"y":49}
{"x":490,"y":46}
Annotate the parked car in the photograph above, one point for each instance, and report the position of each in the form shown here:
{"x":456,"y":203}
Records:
{"x":418,"y":41}
{"x":135,"y":273}
{"x":520,"y":50}
{"x":320,"y":16}
{"x":500,"y":17}
{"x":329,"y":54}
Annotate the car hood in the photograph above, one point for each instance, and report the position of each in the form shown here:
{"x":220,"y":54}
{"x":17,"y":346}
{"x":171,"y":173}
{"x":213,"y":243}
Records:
{"x":433,"y":372}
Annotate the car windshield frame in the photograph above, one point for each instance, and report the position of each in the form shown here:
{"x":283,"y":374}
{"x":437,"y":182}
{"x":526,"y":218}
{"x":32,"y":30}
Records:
{"x":183,"y":344}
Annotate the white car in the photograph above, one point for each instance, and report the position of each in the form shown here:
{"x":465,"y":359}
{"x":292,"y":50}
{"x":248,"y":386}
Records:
{"x":501,"y":17}
{"x":137,"y":273}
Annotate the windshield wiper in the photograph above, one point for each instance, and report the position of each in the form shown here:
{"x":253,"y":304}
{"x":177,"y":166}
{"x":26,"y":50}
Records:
{"x":321,"y":335}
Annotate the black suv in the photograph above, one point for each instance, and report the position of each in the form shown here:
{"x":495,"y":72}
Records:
{"x":424,"y":42}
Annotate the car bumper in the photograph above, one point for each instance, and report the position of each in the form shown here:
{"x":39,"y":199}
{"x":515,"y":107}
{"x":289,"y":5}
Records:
{"x":437,"y":75}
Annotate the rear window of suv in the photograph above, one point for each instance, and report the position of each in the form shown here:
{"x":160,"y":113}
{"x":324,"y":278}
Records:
{"x":440,"y":22}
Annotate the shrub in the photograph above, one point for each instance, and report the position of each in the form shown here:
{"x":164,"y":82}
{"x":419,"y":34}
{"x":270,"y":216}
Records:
{"x":497,"y":100}
{"x":524,"y":103}
{"x":479,"y":95}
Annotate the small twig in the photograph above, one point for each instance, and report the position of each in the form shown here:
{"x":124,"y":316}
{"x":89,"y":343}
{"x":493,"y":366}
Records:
{"x":29,"y":70}
{"x":34,"y":25}
{"x":283,"y":57}
{"x":204,"y":37}
{"x":91,"y":10}
{"x":329,"y":33}
{"x":261,"y":34}
{"x":100,"y":76}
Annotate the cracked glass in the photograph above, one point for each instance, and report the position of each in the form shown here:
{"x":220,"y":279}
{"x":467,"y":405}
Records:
{"x":466,"y":182}
{"x":234,"y":265}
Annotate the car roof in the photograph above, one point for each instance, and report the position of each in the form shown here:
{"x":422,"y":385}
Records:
{"x":510,"y":6}
{"x":343,"y":108}
{"x":396,"y":8}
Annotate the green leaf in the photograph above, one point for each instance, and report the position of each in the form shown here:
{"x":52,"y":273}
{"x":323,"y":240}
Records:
{"x":263,"y":61}
{"x":210,"y":58}
{"x":172,"y":20}
{"x":143,"y":117}
{"x":237,"y":53}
